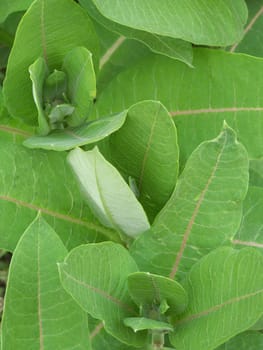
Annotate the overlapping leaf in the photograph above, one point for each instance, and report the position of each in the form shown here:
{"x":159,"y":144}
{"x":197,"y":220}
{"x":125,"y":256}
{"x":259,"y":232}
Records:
{"x":146,"y":149}
{"x":7,"y":7}
{"x":53,"y":36}
{"x":244,"y":341}
{"x":38,"y":313}
{"x":96,"y":276}
{"x":198,"y":99}
{"x":108,"y":195}
{"x":168,"y":46}
{"x":210,"y":23}
{"x":32,"y":180}
{"x":66,"y":139}
{"x":225,"y":298}
{"x":250,"y":232}
{"x":204,"y":211}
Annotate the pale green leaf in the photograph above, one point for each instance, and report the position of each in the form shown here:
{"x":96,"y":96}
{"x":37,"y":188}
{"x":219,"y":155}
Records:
{"x":142,"y":323}
{"x":225,"y":298}
{"x":7,"y":7}
{"x":38,"y":313}
{"x":81,"y":80}
{"x":146,"y":149}
{"x":168,"y":46}
{"x":66,"y":139}
{"x":148,"y":290}
{"x":250,"y":232}
{"x":209,"y":23}
{"x":108,"y":195}
{"x":198,"y":99}
{"x":38,"y":72}
{"x":44,"y":32}
{"x":96,"y":276}
{"x":251,"y":41}
{"x":35,"y":180}
{"x":244,"y":341}
{"x":204,"y":211}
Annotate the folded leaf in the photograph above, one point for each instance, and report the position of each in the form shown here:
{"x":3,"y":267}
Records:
{"x":225,"y":298}
{"x":38,"y":313}
{"x":142,"y":323}
{"x":204,"y":211}
{"x":215,"y":23}
{"x":146,"y":149}
{"x":151,"y":290}
{"x":108,"y":195}
{"x":96,"y":277}
{"x":81,"y":79}
{"x":66,"y":139}
{"x":53,"y":37}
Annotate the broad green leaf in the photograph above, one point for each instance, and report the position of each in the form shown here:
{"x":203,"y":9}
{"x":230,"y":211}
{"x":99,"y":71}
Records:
{"x":250,"y":232}
{"x":251,"y":40}
{"x":66,"y":139}
{"x":168,"y":46}
{"x":81,"y":78}
{"x":34,"y":180}
{"x":198,"y":99}
{"x":108,"y":195}
{"x":142,"y":323}
{"x":38,"y":72}
{"x":7,"y":7}
{"x":225,"y":291}
{"x":53,"y":37}
{"x":146,"y":149}
{"x":204,"y":211}
{"x":256,"y":172}
{"x":96,"y":277}
{"x":100,"y":339}
{"x":215,"y":23}
{"x":38,"y":313}
{"x":244,"y":341}
{"x":148,"y":290}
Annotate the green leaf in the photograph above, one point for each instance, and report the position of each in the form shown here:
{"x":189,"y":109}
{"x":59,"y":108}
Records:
{"x":148,"y":290}
{"x":222,"y":291}
{"x":66,"y":139}
{"x":81,"y":78}
{"x":108,"y":195}
{"x":96,"y":276}
{"x":250,"y":232}
{"x":53,"y":37}
{"x":252,"y":37}
{"x":38,"y":72}
{"x":244,"y":341}
{"x":204,"y":211}
{"x":59,"y":112}
{"x":142,"y":323}
{"x":146,"y":149}
{"x":214,"y":23}
{"x":55,"y":86}
{"x":38,"y":313}
{"x":8,"y":7}
{"x":198,"y":99}
{"x":100,"y":339}
{"x":171,"y":47}
{"x":34,"y":180}
{"x":256,"y":172}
